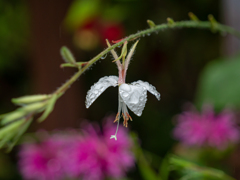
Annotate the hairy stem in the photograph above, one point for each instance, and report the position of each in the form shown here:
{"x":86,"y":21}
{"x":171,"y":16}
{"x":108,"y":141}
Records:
{"x":181,"y":24}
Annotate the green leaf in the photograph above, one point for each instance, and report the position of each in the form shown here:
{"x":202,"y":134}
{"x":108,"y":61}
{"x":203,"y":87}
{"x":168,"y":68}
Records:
{"x":49,"y":107}
{"x":10,"y":134}
{"x":33,"y":108}
{"x":164,"y":168}
{"x":30,"y":99}
{"x":192,"y":170}
{"x":19,"y":134}
{"x":220,"y":84}
{"x":78,"y":64}
{"x":12,"y":117}
{"x":22,"y":112}
{"x":67,"y":55}
{"x":146,"y":171}
{"x":10,"y":128}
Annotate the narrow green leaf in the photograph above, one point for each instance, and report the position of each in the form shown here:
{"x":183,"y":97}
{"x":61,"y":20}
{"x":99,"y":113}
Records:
{"x":67,"y":55}
{"x":6,"y":139}
{"x":146,"y":171}
{"x":123,"y":53}
{"x":124,"y":49}
{"x":78,"y":64}
{"x":10,"y":128}
{"x":12,"y":117}
{"x":67,"y":65}
{"x":20,"y":132}
{"x":191,"y":169}
{"x":23,"y":111}
{"x":30,"y":99}
{"x":130,"y":54}
{"x":34,"y":107}
{"x":164,"y":168}
{"x":49,"y":108}
{"x":4,"y":115}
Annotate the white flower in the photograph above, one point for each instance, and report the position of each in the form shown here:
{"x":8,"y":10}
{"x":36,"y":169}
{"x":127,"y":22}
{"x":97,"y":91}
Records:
{"x":133,"y":96}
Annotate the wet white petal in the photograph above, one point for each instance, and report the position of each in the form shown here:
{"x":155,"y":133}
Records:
{"x":134,"y":96}
{"x":149,"y":87}
{"x":98,"y":88}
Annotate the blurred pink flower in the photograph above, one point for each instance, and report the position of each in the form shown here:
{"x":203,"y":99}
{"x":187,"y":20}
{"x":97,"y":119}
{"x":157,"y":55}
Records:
{"x":90,"y":155}
{"x":44,"y":160}
{"x":97,"y":157}
{"x":207,"y":129}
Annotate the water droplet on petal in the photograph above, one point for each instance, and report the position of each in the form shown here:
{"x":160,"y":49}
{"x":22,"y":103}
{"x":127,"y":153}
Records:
{"x":125,"y":87}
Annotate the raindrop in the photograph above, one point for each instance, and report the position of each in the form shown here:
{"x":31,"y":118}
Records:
{"x":103,"y":57}
{"x":124,"y":94}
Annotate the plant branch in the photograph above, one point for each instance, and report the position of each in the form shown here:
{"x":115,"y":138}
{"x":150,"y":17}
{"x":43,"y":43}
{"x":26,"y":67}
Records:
{"x":18,"y":121}
{"x":175,"y":25}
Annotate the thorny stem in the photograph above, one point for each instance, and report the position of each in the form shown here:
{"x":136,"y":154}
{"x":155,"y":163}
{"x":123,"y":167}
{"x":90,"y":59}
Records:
{"x":181,"y":24}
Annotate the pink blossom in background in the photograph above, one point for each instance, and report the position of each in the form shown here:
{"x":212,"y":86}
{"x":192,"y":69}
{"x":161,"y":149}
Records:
{"x":46,"y":160}
{"x":89,"y":155}
{"x":34,"y":162}
{"x":97,"y":157}
{"x":206,"y":128}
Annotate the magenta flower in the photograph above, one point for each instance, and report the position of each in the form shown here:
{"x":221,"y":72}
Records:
{"x":97,"y":157}
{"x":45,"y":160}
{"x":89,"y":155}
{"x":207,"y":129}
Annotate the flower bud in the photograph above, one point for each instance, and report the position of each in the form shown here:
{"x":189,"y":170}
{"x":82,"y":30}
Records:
{"x":151,"y":23}
{"x":170,"y":21}
{"x":12,"y":116}
{"x":193,"y":16}
{"x":67,"y":55}
{"x":34,"y":107}
{"x":7,"y":131}
{"x":30,"y":99}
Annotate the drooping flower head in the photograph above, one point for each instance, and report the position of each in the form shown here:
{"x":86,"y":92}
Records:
{"x":207,"y":129}
{"x":89,"y":155}
{"x":133,"y":96}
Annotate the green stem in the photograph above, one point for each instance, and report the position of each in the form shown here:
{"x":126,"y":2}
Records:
{"x":181,"y":24}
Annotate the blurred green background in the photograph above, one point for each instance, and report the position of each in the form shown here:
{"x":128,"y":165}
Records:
{"x":174,"y":61}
